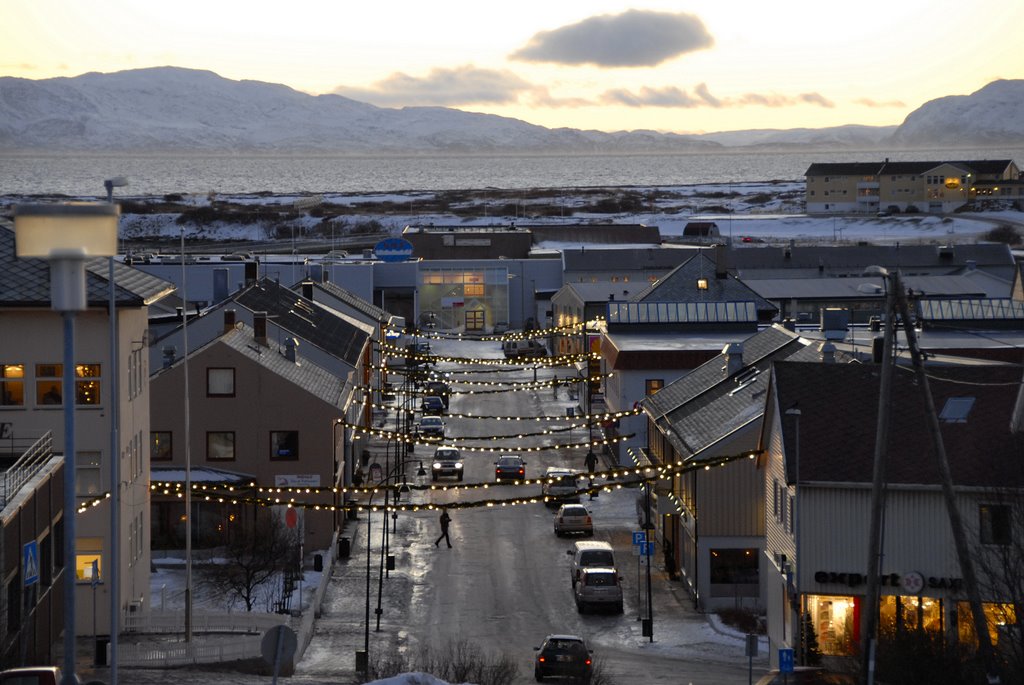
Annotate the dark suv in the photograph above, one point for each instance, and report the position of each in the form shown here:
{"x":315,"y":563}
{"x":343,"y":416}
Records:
{"x":564,"y":656}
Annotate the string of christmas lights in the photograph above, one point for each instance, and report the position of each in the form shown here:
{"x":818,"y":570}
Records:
{"x":561,"y":360}
{"x":412,"y":440}
{"x":597,"y":418}
{"x":434,"y":334}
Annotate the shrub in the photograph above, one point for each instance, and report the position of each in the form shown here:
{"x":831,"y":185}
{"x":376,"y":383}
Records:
{"x":1004,"y":234}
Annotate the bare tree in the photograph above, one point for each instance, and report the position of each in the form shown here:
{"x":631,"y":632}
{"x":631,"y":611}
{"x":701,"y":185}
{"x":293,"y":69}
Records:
{"x":253,"y":558}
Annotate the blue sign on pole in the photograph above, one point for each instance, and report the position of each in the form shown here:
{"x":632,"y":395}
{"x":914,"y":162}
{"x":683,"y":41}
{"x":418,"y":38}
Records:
{"x":785,"y":660}
{"x":639,"y":537}
{"x":649,"y":549}
{"x":30,"y":563}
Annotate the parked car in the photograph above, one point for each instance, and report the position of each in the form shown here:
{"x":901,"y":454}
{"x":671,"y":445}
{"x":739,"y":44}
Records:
{"x":523,"y":348}
{"x":32,"y":675}
{"x":437,"y":388}
{"x":563,"y":656}
{"x":431,"y":428}
{"x":447,"y":462}
{"x":510,"y":466}
{"x":589,"y":553}
{"x":573,"y":518}
{"x":432,"y":405}
{"x":559,"y":486}
{"x":598,"y":587}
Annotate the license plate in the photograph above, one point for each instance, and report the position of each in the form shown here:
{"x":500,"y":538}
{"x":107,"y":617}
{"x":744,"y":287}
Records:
{"x":564,"y":657}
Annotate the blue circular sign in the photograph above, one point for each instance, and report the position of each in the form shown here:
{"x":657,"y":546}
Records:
{"x":393,"y":250}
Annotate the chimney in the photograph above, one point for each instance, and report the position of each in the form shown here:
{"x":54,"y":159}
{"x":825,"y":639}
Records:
{"x":827,"y":353}
{"x":789,"y":324}
{"x":169,"y":353}
{"x":291,"y":348}
{"x":611,"y":297}
{"x":259,"y":327}
{"x":229,"y":320}
{"x":251,"y":272}
{"x":733,"y":353}
{"x":721,"y":260}
{"x":307,"y":290}
{"x":220,"y":284}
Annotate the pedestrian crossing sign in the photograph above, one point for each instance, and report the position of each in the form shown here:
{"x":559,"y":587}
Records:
{"x":30,"y":563}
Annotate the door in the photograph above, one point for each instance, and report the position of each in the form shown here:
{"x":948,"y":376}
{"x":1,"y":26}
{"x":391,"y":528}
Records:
{"x":475,"y":320}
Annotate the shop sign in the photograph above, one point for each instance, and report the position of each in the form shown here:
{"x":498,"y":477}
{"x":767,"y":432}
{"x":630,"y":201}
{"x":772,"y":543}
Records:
{"x":912,"y":582}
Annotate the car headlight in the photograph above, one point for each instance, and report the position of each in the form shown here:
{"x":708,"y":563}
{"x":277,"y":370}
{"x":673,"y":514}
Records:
{"x":458,"y":464}
{"x":437,"y":464}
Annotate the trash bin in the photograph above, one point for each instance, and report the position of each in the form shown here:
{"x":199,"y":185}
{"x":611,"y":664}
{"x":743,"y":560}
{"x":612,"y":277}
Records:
{"x":101,"y":650}
{"x":343,"y":548}
{"x":318,"y":562}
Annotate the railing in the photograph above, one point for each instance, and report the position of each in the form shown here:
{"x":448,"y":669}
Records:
{"x":152,"y":622}
{"x":184,"y":653}
{"x":26,"y":466}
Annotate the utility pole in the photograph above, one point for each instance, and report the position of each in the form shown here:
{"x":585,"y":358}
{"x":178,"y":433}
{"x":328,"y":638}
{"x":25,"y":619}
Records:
{"x":896,"y":300}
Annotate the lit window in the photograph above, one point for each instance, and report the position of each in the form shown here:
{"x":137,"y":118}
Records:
{"x":653,"y":385}
{"x":87,"y":391}
{"x":12,"y":385}
{"x":48,"y":384}
{"x":702,"y":284}
{"x":220,"y":446}
{"x":220,"y":382}
{"x":88,"y":556}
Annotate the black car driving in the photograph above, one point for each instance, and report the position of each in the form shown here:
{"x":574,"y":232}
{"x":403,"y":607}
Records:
{"x":564,"y":656}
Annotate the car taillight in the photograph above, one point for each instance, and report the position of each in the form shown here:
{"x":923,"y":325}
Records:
{"x":588,"y":519}
{"x":522,"y":471}
{"x":540,"y":659}
{"x":588,"y":662}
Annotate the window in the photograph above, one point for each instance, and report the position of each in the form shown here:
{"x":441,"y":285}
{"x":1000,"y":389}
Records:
{"x":87,"y":391}
{"x":220,"y":446}
{"x":733,"y":567}
{"x":775,"y":499}
{"x":653,"y":385}
{"x":284,"y":445}
{"x":995,"y":524}
{"x":48,"y":384}
{"x":87,"y":551}
{"x":87,"y":473}
{"x":160,"y":446}
{"x":12,"y":385}
{"x":220,"y":382}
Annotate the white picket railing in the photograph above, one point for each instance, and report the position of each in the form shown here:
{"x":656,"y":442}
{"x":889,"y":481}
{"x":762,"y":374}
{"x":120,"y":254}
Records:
{"x":184,"y":653}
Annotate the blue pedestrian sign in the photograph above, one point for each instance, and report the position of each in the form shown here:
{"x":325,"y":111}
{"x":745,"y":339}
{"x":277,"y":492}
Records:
{"x":648,"y":549}
{"x":30,"y":563}
{"x":785,"y":660}
{"x":639,"y":537}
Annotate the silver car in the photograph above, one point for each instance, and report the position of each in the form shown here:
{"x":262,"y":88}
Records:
{"x":573,"y":518}
{"x":598,"y":587}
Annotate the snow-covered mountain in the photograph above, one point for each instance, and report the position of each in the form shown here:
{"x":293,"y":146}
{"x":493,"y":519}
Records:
{"x":170,"y":109}
{"x":993,"y":115}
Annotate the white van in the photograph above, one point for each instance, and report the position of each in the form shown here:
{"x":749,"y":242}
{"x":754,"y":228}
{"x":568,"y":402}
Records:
{"x":586,"y":553}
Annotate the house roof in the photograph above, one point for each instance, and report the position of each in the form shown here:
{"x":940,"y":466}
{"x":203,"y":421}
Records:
{"x":308,"y":320}
{"x":838,"y":423}
{"x":760,"y":346}
{"x":860,"y":288}
{"x":624,"y":259}
{"x":981,"y":166}
{"x":354,"y":301}
{"x":25,"y":282}
{"x":852,"y":259}
{"x":680,"y":285}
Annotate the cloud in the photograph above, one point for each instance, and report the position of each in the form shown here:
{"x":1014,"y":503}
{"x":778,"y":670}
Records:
{"x":702,"y":97}
{"x":465,"y":85}
{"x":637,"y":38}
{"x":868,"y":102}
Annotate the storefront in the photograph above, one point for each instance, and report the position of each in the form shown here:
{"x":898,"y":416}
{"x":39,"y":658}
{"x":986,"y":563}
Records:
{"x":472,"y":299}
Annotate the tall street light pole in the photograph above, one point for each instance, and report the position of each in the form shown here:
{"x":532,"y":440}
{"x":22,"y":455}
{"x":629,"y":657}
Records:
{"x":66,"y":235}
{"x":113,"y":577}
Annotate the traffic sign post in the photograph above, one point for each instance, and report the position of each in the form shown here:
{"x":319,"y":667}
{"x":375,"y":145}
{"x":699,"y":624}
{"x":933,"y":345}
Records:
{"x":785,"y":662}
{"x":30,"y":563}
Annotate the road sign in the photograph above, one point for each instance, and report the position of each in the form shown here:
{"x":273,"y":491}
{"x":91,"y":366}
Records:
{"x":30,"y":563}
{"x":639,"y":537}
{"x":785,"y":660}
{"x":648,"y":549}
{"x":393,"y":250}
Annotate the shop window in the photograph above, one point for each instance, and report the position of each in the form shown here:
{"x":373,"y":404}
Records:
{"x":653,"y":385}
{"x":904,"y":613}
{"x":87,"y":551}
{"x":220,"y":382}
{"x":994,"y":524}
{"x":284,"y":445}
{"x":160,"y":446}
{"x":87,"y":391}
{"x":734,"y":572}
{"x":12,"y":385}
{"x":220,"y":446}
{"x":87,"y":474}
{"x":997,"y":617}
{"x":832,"y":622}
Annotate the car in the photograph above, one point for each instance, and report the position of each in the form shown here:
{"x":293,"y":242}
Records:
{"x":431,"y":428}
{"x":523,"y":348}
{"x":447,"y":462}
{"x":510,"y":466}
{"x":432,"y":405}
{"x":438,"y":388}
{"x":589,"y":553}
{"x":598,"y":587}
{"x":560,"y":486}
{"x":501,"y":327}
{"x":573,"y":518}
{"x":563,"y":656}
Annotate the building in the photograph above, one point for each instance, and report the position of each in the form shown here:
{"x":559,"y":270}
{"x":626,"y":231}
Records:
{"x":31,"y":350}
{"x":818,"y":442}
{"x":894,"y":187}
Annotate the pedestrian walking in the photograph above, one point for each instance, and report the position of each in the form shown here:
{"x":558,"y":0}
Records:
{"x":591,"y":461}
{"x":445,"y":520}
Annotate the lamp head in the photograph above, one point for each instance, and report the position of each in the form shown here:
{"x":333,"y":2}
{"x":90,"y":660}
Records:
{"x":68,"y":230}
{"x":116,"y":182}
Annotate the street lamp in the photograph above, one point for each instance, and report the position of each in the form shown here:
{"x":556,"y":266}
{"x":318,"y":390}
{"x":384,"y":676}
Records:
{"x":363,"y":657}
{"x":115,"y":449}
{"x":65,"y":235}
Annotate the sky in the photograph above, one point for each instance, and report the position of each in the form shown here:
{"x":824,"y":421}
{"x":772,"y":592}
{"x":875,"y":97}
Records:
{"x":685,"y":67}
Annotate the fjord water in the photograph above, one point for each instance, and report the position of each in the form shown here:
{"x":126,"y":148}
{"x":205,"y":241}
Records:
{"x":82,"y":175}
